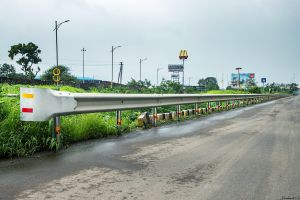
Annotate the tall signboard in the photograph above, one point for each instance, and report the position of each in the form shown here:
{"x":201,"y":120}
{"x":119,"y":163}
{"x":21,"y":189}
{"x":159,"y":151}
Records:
{"x":244,"y":77}
{"x":175,"y":69}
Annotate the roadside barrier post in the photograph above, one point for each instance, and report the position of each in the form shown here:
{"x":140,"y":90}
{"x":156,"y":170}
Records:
{"x":178,"y":112}
{"x":208,"y":107}
{"x":57,"y":131}
{"x":219,"y":106}
{"x":227,"y":105}
{"x":196,"y":109}
{"x":119,"y":117}
{"x":154,"y":110}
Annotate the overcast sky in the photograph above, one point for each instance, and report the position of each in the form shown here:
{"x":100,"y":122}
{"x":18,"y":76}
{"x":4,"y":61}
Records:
{"x":261,"y":36}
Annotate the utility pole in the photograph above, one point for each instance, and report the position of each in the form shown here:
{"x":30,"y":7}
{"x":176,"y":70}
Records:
{"x":120,"y":73}
{"x":83,"y":50}
{"x":112,"y":64}
{"x":157,"y":70}
{"x":141,"y":60}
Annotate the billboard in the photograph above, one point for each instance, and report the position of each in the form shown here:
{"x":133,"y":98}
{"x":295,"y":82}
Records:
{"x":175,"y":68}
{"x":244,"y":77}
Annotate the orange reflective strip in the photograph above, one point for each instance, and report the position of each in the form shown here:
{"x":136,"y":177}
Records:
{"x":27,"y":96}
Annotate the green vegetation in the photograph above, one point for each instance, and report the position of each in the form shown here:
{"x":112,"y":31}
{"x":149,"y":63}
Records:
{"x":209,"y":83}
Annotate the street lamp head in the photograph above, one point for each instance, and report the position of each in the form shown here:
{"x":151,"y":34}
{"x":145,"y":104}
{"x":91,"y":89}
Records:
{"x":58,"y":25}
{"x":238,"y":68}
{"x":143,"y":59}
{"x":114,"y":48}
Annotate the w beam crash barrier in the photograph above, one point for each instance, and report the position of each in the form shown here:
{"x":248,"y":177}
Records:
{"x":38,"y":104}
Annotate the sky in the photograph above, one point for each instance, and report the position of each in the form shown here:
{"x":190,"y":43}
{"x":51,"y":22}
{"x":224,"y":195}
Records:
{"x":261,"y":36}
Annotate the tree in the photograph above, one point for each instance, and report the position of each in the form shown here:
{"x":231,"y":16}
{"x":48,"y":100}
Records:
{"x":250,"y":83}
{"x":293,"y":87}
{"x":255,"y":90}
{"x":169,"y":87}
{"x":29,"y":55}
{"x":210,"y":83}
{"x":65,"y":74}
{"x":7,"y":70}
{"x":139,"y":84}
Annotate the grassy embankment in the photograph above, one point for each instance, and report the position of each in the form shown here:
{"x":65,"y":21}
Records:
{"x":19,"y":138}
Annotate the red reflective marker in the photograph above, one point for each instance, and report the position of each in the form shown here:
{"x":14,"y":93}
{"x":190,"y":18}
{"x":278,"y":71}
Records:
{"x":27,"y":110}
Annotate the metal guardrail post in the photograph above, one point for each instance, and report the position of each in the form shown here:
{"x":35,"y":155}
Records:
{"x":119,"y":117}
{"x":178,"y":112}
{"x":208,"y":107}
{"x":154,"y":111}
{"x":196,"y":109}
{"x":57,"y":131}
{"x":227,"y":105}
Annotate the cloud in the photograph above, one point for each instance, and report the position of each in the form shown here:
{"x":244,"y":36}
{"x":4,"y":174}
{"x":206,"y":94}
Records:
{"x":261,"y":35}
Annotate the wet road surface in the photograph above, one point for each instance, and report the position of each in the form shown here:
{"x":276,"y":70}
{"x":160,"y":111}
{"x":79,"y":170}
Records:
{"x":249,"y":153}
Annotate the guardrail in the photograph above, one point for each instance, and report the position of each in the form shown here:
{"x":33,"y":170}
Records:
{"x":39,"y":104}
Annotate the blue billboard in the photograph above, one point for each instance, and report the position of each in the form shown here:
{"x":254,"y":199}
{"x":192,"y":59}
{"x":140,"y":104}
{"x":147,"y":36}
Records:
{"x":244,"y":77}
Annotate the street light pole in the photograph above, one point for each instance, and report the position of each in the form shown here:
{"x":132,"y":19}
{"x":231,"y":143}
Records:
{"x":112,"y":64}
{"x":83,"y":50}
{"x":157,"y":70}
{"x":57,"y":118}
{"x":56,"y":40}
{"x":141,"y":60}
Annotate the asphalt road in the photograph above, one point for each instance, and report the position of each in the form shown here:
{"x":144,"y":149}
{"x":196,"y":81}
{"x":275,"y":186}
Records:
{"x":249,"y":153}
